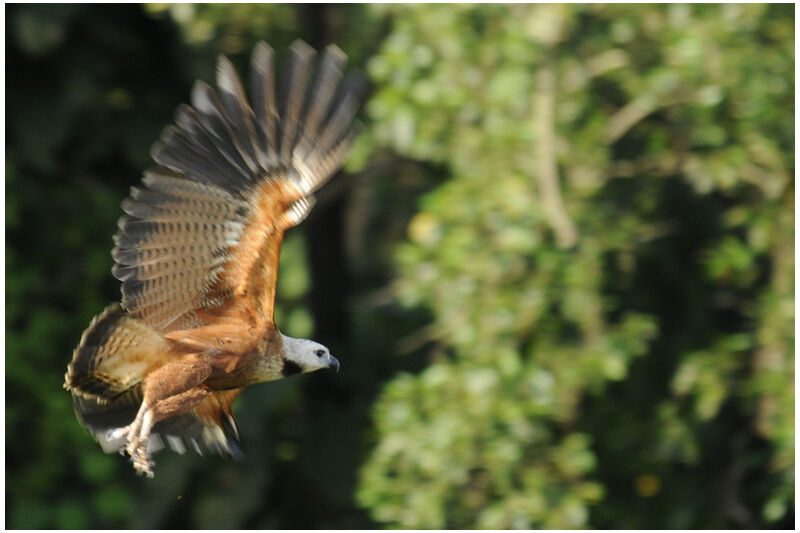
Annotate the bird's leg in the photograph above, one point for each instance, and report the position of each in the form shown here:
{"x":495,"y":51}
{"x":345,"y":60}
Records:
{"x":173,"y":389}
{"x":129,"y":430}
{"x":172,"y":406}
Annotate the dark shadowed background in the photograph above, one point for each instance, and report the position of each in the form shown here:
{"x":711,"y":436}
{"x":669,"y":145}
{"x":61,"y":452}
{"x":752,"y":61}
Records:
{"x":558,"y":269}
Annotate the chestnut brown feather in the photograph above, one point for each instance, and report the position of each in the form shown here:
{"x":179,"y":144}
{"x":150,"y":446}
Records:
{"x":197,"y":254}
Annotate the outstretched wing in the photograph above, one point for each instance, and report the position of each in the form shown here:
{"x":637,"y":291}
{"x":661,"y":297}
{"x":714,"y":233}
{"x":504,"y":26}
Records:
{"x":202,"y":236}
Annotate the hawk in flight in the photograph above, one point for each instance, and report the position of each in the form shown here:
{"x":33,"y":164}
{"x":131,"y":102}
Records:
{"x":197,"y":254}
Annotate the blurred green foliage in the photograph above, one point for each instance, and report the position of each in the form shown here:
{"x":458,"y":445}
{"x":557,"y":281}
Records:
{"x":569,"y":245}
{"x":672,"y":239}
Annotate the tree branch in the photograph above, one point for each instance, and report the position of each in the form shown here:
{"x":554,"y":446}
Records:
{"x":547,"y":171}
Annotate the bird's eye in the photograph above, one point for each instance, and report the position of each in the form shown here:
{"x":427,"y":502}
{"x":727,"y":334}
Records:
{"x":320,"y":353}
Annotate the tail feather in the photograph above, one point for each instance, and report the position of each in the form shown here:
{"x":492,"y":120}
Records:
{"x":179,"y":433}
{"x":106,"y":379}
{"x":112,"y":358}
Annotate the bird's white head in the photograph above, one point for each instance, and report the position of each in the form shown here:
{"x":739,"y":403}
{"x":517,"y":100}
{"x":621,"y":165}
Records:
{"x":300,"y":356}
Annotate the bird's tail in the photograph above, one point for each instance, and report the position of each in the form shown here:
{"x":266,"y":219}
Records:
{"x":107,"y":370}
{"x":106,"y":379}
{"x":112,"y":358}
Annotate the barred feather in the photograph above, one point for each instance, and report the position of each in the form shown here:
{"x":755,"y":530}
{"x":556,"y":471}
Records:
{"x":112,"y":357}
{"x":201,"y":221}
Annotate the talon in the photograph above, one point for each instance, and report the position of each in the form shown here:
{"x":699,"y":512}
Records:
{"x":131,"y":449}
{"x":143,"y":465}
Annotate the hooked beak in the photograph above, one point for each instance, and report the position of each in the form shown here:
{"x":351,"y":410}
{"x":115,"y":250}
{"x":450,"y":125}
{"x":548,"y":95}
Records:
{"x":334,"y":363}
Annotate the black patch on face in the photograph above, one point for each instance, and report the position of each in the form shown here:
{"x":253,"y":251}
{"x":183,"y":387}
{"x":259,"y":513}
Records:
{"x":290,"y":368}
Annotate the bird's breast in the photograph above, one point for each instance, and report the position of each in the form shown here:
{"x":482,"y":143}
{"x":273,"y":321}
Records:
{"x":231,"y":370}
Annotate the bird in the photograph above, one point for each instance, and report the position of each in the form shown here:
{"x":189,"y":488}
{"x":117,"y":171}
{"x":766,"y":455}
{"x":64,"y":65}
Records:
{"x":197,"y":256}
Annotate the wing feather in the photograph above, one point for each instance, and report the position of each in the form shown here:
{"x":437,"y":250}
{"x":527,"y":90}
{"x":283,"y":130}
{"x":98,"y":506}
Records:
{"x":294,"y":97}
{"x":189,"y":122}
{"x":201,"y":237}
{"x":237,"y":110}
{"x":330,"y":72}
{"x":212,"y":118}
{"x":262,"y":84}
{"x":191,"y":158}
